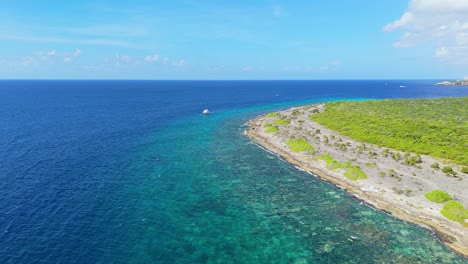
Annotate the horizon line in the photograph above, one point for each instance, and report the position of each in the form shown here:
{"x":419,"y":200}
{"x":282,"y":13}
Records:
{"x":235,"y":80}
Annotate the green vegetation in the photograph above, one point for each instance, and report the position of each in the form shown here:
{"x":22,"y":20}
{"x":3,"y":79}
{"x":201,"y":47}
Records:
{"x":413,"y":160}
{"x":281,"y":121}
{"x":267,"y":125}
{"x":352,"y":172}
{"x":448,"y":170}
{"x":464,"y":170}
{"x":330,"y":162}
{"x":274,"y":114}
{"x":271,"y":129}
{"x":455,"y":211}
{"x":438,"y":196}
{"x":435,"y":165}
{"x":299,"y":145}
{"x":435,"y":127}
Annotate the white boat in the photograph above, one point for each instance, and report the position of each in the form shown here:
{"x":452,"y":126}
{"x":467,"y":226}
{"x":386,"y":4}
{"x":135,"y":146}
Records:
{"x":205,"y":112}
{"x":402,"y":86}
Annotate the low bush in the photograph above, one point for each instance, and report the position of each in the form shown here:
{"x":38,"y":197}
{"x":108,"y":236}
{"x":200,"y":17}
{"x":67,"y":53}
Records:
{"x":438,"y":196}
{"x":281,"y":121}
{"x":455,"y":211}
{"x":413,"y":160}
{"x":299,"y":145}
{"x":352,"y":172}
{"x":328,"y":159}
{"x":448,"y":170}
{"x":274,"y":114}
{"x":271,"y":129}
{"x":355,"y":173}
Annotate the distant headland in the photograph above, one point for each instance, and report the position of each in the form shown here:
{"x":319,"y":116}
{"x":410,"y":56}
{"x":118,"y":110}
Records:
{"x":457,"y":83}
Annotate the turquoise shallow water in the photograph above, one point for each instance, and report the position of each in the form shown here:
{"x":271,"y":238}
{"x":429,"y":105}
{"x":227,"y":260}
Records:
{"x":131,"y":172}
{"x":212,"y":196}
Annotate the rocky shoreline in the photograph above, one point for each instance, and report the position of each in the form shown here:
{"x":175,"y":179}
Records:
{"x":455,"y":83}
{"x":390,"y":186}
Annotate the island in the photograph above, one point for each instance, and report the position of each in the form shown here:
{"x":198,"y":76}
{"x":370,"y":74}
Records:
{"x":406,"y":157}
{"x":454,"y":83}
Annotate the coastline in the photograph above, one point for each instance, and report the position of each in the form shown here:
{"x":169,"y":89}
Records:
{"x":380,"y":193}
{"x":454,"y":83}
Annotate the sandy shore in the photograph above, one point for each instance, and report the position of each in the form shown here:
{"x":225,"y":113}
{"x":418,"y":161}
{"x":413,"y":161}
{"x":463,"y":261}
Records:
{"x":391,"y":186}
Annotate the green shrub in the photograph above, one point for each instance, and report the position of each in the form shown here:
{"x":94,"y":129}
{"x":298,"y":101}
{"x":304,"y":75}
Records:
{"x":299,"y":145}
{"x":271,"y":129}
{"x":282,"y":121}
{"x":267,"y":125}
{"x":455,"y":211}
{"x":448,"y":170}
{"x":272,"y":114}
{"x":327,"y":158}
{"x":435,"y":165}
{"x":412,"y":160}
{"x":438,"y":196}
{"x":355,"y":173}
{"x":352,"y":172}
{"x":333,"y":165}
{"x":464,"y":170}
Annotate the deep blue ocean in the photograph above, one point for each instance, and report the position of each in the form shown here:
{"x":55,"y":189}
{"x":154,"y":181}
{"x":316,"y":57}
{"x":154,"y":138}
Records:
{"x":131,"y":172}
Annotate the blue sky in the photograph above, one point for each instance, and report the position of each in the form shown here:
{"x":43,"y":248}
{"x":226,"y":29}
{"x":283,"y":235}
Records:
{"x":359,"y":39}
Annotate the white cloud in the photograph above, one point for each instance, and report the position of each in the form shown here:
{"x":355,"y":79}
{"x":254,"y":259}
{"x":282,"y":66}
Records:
{"x":404,"y":20}
{"x":119,"y":60}
{"x":442,"y":22}
{"x":179,"y":63}
{"x":442,"y":51}
{"x":67,"y":57}
{"x":123,"y":58}
{"x":152,"y":58}
{"x":51,"y":55}
{"x":45,"y":55}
